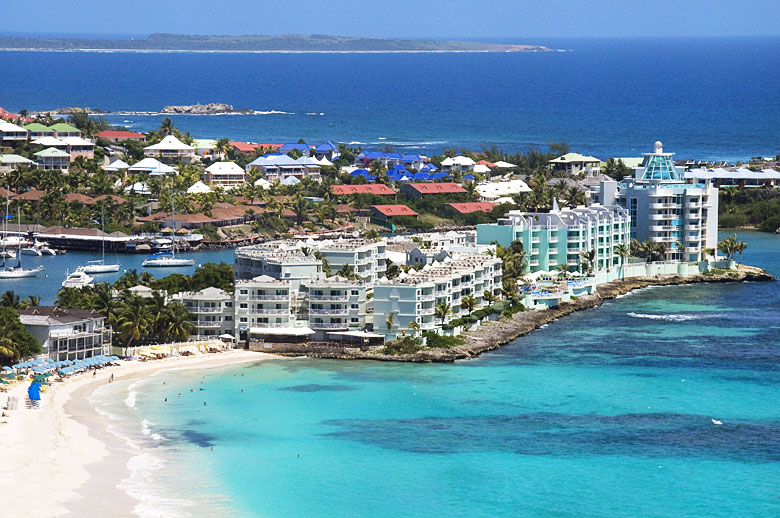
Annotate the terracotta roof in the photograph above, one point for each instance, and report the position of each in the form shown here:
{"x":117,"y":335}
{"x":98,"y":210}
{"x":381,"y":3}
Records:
{"x":244,"y":147}
{"x":6,"y":193}
{"x":122,"y":135}
{"x":371,"y":188}
{"x":344,"y":208}
{"x":81,"y":198}
{"x":437,"y":188}
{"x":468,"y":208}
{"x":112,"y":199}
{"x":485,"y":162}
{"x":394,"y":210}
{"x":33,"y":195}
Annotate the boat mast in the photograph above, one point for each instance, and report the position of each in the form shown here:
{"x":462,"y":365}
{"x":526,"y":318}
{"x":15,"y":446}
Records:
{"x":19,"y":229}
{"x":5,"y":227}
{"x":103,"y":230}
{"x":173,"y":221}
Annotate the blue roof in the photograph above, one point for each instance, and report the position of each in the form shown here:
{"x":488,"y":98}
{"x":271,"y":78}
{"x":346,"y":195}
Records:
{"x":299,"y":147}
{"x":357,"y":172}
{"x":428,"y":167}
{"x":412,"y":158}
{"x":439,"y":176}
{"x":326,"y":146}
{"x":421,"y":176}
{"x":394,"y":156}
{"x":469,"y":177}
{"x":375,"y":155}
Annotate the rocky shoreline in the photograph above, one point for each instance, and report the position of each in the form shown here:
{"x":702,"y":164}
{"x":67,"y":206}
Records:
{"x":492,"y":335}
{"x":202,"y":109}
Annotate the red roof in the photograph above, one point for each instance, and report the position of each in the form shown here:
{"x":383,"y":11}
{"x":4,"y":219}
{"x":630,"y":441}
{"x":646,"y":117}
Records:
{"x":33,"y":195}
{"x":468,"y":208}
{"x":244,"y":147}
{"x":120,"y":135}
{"x":111,"y":198}
{"x":81,"y":198}
{"x":5,"y":114}
{"x":270,"y":146}
{"x":370,"y":188}
{"x":437,"y":188}
{"x":394,"y":210}
{"x":485,"y":162}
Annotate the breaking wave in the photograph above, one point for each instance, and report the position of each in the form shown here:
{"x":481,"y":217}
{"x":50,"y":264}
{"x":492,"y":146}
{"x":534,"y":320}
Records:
{"x":674,"y":317}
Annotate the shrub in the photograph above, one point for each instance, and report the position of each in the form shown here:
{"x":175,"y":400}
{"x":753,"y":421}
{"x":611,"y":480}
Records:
{"x":437,"y":341}
{"x":405,"y":345}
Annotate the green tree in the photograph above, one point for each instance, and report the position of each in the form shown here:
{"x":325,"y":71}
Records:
{"x":468,"y":303}
{"x":442,"y":310}
{"x":15,"y":341}
{"x":134,"y":322}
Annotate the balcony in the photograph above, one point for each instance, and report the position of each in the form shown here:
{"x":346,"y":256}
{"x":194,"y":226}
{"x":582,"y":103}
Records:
{"x":329,"y":325}
{"x":534,"y":240}
{"x":693,"y":228}
{"x":663,"y":205}
{"x":270,"y":311}
{"x":426,"y":311}
{"x":426,"y":297}
{"x":656,"y":217}
{"x":343,"y":297}
{"x":208,"y":323}
{"x":270,"y":297}
{"x":342,"y":311}
{"x":553,"y":239}
{"x":205,"y":310}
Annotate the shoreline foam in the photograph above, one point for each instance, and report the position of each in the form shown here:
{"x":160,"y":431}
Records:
{"x":63,"y":460}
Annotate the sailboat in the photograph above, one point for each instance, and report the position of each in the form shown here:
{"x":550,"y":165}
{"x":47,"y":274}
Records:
{"x":168,"y":258}
{"x":100,"y":265}
{"x":17,"y":272}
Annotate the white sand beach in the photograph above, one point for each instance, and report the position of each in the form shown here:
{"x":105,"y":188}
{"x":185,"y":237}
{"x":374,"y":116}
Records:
{"x":60,"y":460}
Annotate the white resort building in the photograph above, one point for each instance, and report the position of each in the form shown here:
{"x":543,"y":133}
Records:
{"x":665,"y":209}
{"x":67,"y":334}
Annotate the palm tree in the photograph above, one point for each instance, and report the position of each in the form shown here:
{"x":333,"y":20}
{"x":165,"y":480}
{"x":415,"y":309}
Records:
{"x":414,"y":326}
{"x":31,"y":301}
{"x":741,"y":246}
{"x":468,"y":303}
{"x":442,"y":310}
{"x":347,"y":271}
{"x":587,"y":258}
{"x":69,"y":298}
{"x":624,"y":252}
{"x":325,"y":263}
{"x":390,"y":321}
{"x":489,"y":297}
{"x":10,"y":299}
{"x":223,"y":147}
{"x":728,"y":245}
{"x":300,"y":207}
{"x":178,"y":322}
{"x":134,"y":321}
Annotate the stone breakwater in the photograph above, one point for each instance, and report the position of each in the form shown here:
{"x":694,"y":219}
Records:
{"x":492,"y":335}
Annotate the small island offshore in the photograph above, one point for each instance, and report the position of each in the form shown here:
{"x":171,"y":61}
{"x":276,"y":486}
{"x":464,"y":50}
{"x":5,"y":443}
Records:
{"x":259,"y":43}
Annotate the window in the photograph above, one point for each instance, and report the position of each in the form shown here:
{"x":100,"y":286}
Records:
{"x":632,"y":211}
{"x":354,"y":292}
{"x":243,"y":292}
{"x":242,"y":306}
{"x":354,"y":306}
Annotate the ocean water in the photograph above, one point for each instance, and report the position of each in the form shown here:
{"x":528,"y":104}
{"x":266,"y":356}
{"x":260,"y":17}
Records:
{"x":707,"y":98}
{"x":57,"y":267}
{"x":608,"y":412}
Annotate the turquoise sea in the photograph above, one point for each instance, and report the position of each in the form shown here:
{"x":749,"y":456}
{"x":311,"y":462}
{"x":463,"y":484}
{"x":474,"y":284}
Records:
{"x":608,"y":412}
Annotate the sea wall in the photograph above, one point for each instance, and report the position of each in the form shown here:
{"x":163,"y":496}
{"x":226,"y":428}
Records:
{"x":492,"y":335}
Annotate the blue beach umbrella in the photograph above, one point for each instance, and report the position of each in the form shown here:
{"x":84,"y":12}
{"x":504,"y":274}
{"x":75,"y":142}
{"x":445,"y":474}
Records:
{"x":7,"y":368}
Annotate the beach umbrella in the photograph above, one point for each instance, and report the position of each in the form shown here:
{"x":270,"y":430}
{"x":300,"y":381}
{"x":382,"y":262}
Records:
{"x":7,"y":368}
{"x":167,"y":230}
{"x":4,"y":382}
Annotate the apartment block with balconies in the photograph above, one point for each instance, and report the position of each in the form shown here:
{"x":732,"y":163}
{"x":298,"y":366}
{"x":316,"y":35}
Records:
{"x":413,"y":296}
{"x":212,"y":311}
{"x":335,"y":304}
{"x":664,"y":209}
{"x":67,"y":334}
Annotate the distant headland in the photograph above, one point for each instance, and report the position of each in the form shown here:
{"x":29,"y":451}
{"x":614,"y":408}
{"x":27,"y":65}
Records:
{"x":259,"y":43}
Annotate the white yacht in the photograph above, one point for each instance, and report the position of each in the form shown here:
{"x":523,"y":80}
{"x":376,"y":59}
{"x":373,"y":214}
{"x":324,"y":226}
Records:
{"x":161,"y":259}
{"x":100,"y":265}
{"x":16,"y":272}
{"x":77,"y":279}
{"x":168,"y":258}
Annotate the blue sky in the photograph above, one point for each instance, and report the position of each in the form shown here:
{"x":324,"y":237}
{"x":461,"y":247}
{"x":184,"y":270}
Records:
{"x":521,"y":19}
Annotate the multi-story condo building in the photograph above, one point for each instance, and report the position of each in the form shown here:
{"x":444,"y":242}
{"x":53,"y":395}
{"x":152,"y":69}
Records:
{"x":560,"y":236}
{"x":275,"y":261}
{"x":67,"y":334}
{"x":263,"y":305}
{"x":663,"y":208}
{"x":295,"y":260}
{"x":335,"y":304}
{"x":212,"y":311}
{"x":413,"y":297}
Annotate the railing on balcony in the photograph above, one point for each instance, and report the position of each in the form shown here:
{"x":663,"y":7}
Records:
{"x":343,"y":311}
{"x":329,"y":325}
{"x":329,"y":297}
{"x":271,"y":311}
{"x":269,"y":297}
